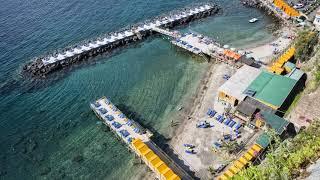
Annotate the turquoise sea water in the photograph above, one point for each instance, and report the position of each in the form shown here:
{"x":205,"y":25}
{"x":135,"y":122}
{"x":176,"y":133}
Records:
{"x":47,"y":130}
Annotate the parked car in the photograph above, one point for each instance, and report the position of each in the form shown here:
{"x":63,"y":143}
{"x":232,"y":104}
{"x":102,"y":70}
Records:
{"x":298,"y":6}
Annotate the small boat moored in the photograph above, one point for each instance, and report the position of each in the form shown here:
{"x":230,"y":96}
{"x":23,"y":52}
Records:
{"x":253,"y":20}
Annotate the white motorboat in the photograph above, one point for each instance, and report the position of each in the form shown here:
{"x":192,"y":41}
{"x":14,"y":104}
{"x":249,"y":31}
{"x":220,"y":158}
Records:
{"x":253,"y":20}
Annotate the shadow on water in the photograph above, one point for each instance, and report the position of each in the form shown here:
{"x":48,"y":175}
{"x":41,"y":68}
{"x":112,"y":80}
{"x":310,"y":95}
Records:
{"x":158,"y":138}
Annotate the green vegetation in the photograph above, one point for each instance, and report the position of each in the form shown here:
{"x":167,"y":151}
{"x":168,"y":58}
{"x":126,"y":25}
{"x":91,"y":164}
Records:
{"x":290,"y":156}
{"x":304,"y":44}
{"x":317,"y":74}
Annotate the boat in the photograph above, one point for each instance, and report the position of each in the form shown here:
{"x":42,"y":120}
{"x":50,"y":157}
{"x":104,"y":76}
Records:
{"x":253,"y":20}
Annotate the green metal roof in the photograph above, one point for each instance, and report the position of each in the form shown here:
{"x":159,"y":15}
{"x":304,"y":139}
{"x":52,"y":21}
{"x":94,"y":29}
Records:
{"x":272,"y":88}
{"x":263,"y":140}
{"x":277,"y":123}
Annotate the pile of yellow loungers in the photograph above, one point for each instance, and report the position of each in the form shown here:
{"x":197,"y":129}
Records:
{"x":277,"y":67}
{"x":162,"y":171}
{"x":239,"y":164}
{"x":286,"y":8}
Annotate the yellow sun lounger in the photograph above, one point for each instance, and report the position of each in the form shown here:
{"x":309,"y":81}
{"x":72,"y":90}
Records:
{"x":252,"y":152}
{"x":222,"y":177}
{"x":238,"y":164}
{"x":229,"y":173}
{"x":248,"y":156}
{"x":256,"y":147}
{"x":243,"y":160}
{"x":234,"y":169}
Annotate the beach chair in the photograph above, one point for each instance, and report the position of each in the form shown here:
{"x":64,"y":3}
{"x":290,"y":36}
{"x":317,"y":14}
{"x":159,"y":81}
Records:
{"x":238,"y":126}
{"x":109,"y":117}
{"x":107,"y":101}
{"x":217,"y":145}
{"x":227,"y":137}
{"x":129,"y":122}
{"x":116,"y":125}
{"x":122,"y":115}
{"x":130,"y":139}
{"x":124,"y":133}
{"x":232,"y":123}
{"x":221,"y":119}
{"x":103,"y":110}
{"x":97,"y":104}
{"x":227,"y":121}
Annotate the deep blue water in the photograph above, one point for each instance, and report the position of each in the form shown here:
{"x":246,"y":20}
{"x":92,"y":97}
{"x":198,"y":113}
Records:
{"x":47,"y":129}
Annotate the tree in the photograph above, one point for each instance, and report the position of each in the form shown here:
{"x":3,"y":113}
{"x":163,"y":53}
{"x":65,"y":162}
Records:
{"x":304,"y":44}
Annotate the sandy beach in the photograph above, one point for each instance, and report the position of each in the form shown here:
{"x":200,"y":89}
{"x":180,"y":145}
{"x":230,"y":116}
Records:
{"x":264,"y":52}
{"x":202,"y":138}
{"x":206,"y":94}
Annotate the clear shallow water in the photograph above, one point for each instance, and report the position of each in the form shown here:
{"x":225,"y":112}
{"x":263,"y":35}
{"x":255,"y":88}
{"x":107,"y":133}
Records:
{"x":48,"y":130}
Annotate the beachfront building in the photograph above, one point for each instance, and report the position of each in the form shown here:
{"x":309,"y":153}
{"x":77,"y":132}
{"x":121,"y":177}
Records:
{"x":231,"y":92}
{"x":316,"y":21}
{"x":267,"y":121}
{"x":250,"y":107}
{"x":273,"y":90}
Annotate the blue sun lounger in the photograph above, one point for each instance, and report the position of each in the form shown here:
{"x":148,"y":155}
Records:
{"x":217,"y":145}
{"x":103,"y":110}
{"x":211,"y":112}
{"x":129,"y":122}
{"x":221,"y":119}
{"x":137,"y":130}
{"x":114,"y":108}
{"x":97,"y":104}
{"x":129,"y":139}
{"x":122,"y":115}
{"x":107,"y":101}
{"x":109,"y":117}
{"x":227,"y":121}
{"x":232,"y":123}
{"x":116,"y":125}
{"x":238,"y":126}
{"x":124,"y":133}
{"x":218,"y":117}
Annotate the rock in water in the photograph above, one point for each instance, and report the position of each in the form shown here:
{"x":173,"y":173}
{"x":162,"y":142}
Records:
{"x":250,"y":3}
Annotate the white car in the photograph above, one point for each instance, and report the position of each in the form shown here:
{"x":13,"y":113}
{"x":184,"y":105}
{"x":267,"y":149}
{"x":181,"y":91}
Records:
{"x":298,"y":6}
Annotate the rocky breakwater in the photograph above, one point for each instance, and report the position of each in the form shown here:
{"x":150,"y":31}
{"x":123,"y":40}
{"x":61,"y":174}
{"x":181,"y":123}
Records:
{"x":250,"y":3}
{"x":41,"y":66}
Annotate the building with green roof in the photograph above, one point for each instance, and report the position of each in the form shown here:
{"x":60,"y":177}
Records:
{"x":275,"y":122}
{"x":272,"y":89}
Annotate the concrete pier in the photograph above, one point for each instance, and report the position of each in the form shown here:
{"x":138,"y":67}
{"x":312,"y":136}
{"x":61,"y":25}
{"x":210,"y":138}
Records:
{"x":207,"y":48}
{"x":41,"y":66}
{"x":138,"y":140}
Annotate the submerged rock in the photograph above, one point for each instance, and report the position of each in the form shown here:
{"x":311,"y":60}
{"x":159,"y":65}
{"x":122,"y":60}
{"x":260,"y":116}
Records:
{"x":78,"y":159}
{"x":45,"y":171}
